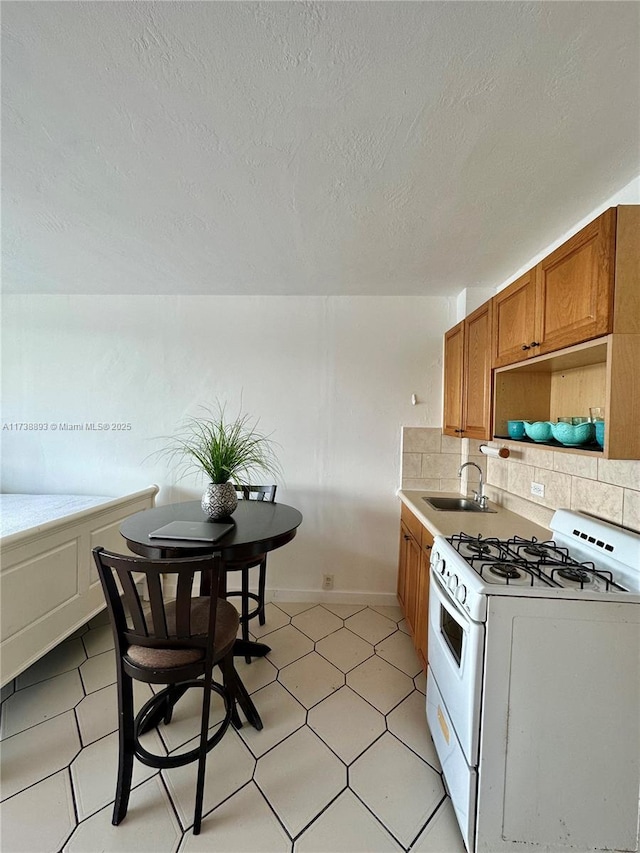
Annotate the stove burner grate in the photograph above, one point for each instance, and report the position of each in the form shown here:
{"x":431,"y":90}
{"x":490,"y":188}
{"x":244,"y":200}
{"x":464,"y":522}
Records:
{"x":585,"y":574}
{"x":477,"y":547}
{"x":472,"y":547}
{"x":538,"y":553}
{"x":521,"y":560}
{"x":536,"y":550}
{"x":508,"y":571}
{"x":573,"y":573}
{"x":505,"y":570}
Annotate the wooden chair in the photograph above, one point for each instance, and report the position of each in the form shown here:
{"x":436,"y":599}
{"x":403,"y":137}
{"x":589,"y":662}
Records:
{"x":258,"y":493}
{"x":174,"y":642}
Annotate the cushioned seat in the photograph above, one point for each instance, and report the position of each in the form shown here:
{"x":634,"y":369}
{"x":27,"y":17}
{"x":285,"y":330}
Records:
{"x":162,"y":658}
{"x":227,"y":622}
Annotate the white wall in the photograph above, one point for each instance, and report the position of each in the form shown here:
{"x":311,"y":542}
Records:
{"x":331,"y":377}
{"x":629,"y":194}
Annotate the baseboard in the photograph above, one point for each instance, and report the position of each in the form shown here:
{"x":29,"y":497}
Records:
{"x":321,"y":596}
{"x":314,"y":596}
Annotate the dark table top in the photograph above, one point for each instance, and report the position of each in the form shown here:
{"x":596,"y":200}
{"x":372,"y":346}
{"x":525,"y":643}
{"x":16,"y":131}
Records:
{"x":259,"y":526}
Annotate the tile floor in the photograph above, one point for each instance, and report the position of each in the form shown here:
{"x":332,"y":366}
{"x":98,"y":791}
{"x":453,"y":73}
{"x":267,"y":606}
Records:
{"x":344,"y":762}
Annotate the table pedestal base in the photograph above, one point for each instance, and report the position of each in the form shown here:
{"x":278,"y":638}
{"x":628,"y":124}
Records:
{"x":242,"y":648}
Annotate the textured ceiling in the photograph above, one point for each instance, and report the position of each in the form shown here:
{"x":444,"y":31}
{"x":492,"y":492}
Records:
{"x":306,"y":148}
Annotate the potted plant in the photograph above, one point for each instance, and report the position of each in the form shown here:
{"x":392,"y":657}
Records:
{"x":228,"y":452}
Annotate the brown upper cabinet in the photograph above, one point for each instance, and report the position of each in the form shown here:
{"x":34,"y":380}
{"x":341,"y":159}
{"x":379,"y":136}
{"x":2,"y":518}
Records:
{"x":514,"y":320}
{"x":566,"y":299}
{"x":453,"y":380}
{"x":601,"y":364}
{"x":562,"y":338}
{"x":467,"y":376}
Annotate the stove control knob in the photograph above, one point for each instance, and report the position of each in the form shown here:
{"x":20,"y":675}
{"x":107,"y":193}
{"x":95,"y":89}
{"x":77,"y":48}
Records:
{"x":452,"y":583}
{"x":437,"y":562}
{"x":461,"y":593}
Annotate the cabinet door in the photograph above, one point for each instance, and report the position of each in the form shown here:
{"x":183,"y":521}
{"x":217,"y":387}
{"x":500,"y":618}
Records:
{"x":476,"y":414}
{"x":513,"y":311}
{"x":574,"y":287}
{"x":410,"y":532}
{"x":453,"y":380}
{"x":422,"y":608}
{"x":411,"y":585}
{"x":405,"y":536}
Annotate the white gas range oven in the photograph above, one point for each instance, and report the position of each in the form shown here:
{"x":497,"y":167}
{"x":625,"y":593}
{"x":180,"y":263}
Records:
{"x":533,"y":686}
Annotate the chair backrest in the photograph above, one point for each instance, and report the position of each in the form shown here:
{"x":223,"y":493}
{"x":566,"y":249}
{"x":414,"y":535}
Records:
{"x":163,"y":622}
{"x":256,"y":493}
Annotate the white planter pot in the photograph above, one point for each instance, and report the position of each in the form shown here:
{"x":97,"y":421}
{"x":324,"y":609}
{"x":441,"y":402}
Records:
{"x":219,"y":500}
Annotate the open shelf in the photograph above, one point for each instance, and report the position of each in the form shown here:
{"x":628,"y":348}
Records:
{"x":565,"y":384}
{"x":552,"y":445}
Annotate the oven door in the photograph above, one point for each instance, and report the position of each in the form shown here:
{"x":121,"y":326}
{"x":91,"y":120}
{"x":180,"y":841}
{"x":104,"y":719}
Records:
{"x":456,"y":655}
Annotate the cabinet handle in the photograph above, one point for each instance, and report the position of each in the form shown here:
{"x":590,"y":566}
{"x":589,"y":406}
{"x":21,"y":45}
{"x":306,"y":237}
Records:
{"x":406,"y":538}
{"x":525,"y":346}
{"x":458,"y":430}
{"x":535,"y":344}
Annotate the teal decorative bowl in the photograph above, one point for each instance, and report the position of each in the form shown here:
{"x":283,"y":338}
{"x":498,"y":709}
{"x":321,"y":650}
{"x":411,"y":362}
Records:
{"x":599,"y":425}
{"x":538,"y":430}
{"x":573,"y":435}
{"x":515,"y":429}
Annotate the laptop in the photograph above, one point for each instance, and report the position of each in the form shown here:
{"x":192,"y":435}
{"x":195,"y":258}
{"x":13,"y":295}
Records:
{"x":193,"y":531}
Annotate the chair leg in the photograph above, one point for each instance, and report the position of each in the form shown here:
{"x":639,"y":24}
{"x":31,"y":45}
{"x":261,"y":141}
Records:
{"x":236,"y":722}
{"x":245,"y":610}
{"x":222,"y":584}
{"x":202,"y":758}
{"x":239,"y":692}
{"x":171,"y":701}
{"x":126,"y":743}
{"x":227,"y":669}
{"x":262,"y":578}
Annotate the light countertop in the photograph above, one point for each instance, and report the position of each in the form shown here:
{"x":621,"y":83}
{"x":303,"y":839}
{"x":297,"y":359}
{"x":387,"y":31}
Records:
{"x":502,"y":523}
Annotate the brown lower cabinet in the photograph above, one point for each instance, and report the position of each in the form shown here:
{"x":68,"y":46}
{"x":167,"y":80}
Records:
{"x":413,"y":578}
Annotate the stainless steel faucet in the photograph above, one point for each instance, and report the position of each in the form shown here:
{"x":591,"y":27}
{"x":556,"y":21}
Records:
{"x":479,"y":496}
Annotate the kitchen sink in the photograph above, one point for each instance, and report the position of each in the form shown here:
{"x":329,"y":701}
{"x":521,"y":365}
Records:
{"x":456,"y":505}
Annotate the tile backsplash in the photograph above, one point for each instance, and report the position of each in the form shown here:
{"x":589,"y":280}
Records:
{"x":430,"y":460}
{"x":607,"y":488}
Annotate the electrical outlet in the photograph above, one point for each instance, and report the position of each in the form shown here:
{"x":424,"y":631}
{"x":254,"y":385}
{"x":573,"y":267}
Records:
{"x":537,"y":489}
{"x":327,"y":581}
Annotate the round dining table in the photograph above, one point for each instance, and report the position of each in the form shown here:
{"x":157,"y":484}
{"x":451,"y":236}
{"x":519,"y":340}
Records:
{"x":258,"y":527}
